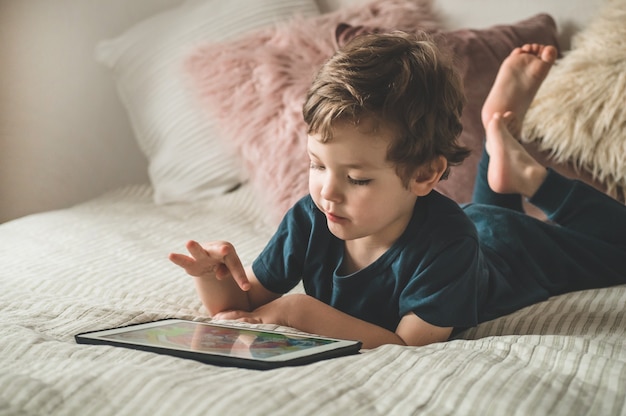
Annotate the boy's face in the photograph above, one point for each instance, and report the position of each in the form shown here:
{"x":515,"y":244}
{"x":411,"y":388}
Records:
{"x":357,"y":189}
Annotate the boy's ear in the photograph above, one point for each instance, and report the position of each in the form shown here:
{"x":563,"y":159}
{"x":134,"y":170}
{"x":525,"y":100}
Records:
{"x":427,"y":176}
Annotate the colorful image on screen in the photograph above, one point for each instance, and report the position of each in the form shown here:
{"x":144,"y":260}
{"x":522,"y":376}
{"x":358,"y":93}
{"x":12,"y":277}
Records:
{"x":239,"y":342}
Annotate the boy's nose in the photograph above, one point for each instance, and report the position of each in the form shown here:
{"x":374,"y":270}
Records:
{"x":331,"y":190}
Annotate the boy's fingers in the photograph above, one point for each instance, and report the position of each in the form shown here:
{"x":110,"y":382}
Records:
{"x":181,"y":260}
{"x":196,"y":250}
{"x":224,"y":253}
{"x":232,"y":262}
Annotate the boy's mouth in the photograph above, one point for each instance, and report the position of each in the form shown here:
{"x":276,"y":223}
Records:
{"x":334,"y":218}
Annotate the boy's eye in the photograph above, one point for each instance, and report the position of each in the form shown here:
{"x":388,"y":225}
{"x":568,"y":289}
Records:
{"x":359,"y":181}
{"x":315,"y":166}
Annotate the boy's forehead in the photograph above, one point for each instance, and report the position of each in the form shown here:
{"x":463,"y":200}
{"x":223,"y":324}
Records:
{"x":350,"y":148}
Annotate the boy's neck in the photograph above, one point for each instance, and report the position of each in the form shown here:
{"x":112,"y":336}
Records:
{"x":358,"y":254}
{"x":357,"y":257}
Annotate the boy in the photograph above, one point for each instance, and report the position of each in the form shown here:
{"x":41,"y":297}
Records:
{"x":384,"y":258}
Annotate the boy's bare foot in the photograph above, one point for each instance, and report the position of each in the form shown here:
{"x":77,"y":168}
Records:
{"x":517,"y":82}
{"x":512,"y":170}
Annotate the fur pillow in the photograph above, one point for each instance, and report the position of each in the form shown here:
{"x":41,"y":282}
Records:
{"x":255,"y":87}
{"x":578,"y":114}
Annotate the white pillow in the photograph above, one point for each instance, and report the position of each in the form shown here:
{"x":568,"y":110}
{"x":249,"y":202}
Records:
{"x":186,"y":160}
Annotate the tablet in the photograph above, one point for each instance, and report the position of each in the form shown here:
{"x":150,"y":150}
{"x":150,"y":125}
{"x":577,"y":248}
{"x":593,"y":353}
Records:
{"x":220,"y":344}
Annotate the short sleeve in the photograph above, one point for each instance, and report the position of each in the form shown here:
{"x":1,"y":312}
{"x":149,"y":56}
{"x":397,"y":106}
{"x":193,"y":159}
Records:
{"x":445,"y":292}
{"x":280,"y":265}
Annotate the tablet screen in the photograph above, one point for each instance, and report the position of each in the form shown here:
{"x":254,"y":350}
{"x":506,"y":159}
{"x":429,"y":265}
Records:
{"x":215,"y":339}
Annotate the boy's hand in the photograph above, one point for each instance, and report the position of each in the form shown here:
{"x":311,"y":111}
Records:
{"x":276,"y":312}
{"x":217,"y":260}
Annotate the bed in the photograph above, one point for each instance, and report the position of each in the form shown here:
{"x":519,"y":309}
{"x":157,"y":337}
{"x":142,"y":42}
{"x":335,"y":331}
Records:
{"x":207,"y":164}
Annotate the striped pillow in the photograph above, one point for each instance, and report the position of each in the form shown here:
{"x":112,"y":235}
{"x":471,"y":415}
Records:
{"x":187,"y":160}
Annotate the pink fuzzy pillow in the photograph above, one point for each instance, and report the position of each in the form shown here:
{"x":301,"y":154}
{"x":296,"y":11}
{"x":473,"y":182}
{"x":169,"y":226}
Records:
{"x":255,"y":87}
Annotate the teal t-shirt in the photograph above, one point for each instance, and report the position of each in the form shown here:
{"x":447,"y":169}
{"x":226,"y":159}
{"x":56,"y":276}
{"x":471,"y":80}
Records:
{"x":435,"y":269}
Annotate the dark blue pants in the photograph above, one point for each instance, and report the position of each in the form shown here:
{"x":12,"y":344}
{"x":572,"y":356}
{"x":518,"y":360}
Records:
{"x":582,"y":246}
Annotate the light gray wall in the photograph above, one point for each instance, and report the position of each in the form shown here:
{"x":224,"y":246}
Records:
{"x":64,"y":137}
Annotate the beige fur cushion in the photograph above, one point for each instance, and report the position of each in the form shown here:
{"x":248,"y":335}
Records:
{"x":579,"y":113}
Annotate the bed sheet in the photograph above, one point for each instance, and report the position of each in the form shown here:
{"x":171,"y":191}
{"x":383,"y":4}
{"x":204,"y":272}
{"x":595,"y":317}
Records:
{"x":104,"y":263}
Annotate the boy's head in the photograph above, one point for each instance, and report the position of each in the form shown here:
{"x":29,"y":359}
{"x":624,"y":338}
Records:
{"x":397,"y":81}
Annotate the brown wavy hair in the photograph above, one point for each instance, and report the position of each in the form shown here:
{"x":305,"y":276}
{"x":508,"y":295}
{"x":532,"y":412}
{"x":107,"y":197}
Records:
{"x":401,"y":81}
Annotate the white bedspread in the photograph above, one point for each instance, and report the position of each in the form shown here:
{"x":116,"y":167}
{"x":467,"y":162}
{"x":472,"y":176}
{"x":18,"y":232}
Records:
{"x":104,"y":264}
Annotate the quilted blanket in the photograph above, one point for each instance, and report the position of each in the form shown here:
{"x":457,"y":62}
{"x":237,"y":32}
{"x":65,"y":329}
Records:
{"x":104,"y":264}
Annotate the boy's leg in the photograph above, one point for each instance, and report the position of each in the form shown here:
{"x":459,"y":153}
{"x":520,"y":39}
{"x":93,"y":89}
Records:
{"x":588,"y":247}
{"x":511,"y":170}
{"x":483,"y":194}
{"x":517,"y":82}
{"x":582,"y":208}
{"x":583,"y":247}
{"x":570,"y":203}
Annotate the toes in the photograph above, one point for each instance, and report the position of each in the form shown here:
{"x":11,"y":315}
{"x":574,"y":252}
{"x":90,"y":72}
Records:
{"x":549,"y":54}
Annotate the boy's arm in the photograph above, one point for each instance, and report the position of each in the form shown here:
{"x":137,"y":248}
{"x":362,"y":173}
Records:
{"x":310,"y":315}
{"x":226,"y":295}
{"x":415,"y":331}
{"x":221,"y":280}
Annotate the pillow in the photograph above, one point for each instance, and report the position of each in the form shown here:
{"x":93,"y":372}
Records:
{"x":187,"y":160}
{"x":255,"y":87}
{"x":578,"y":114}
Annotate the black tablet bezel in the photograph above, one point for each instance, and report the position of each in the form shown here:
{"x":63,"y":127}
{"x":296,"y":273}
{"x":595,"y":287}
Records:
{"x":337,"y":349}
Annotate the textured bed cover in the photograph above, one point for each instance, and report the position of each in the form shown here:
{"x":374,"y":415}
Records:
{"x":104,"y":263}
